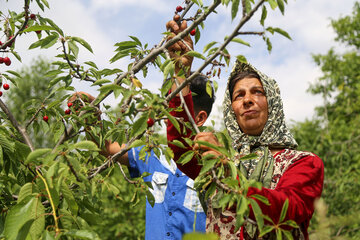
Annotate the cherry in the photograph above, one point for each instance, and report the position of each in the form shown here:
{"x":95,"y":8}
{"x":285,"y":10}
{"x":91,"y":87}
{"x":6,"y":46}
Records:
{"x":179,"y":8}
{"x":6,"y":86}
{"x":1,"y":43}
{"x":45,"y":118}
{"x":7,"y":62}
{"x":33,"y":16}
{"x":38,"y":32}
{"x":0,"y":93}
{"x":11,"y":39}
{"x":69,"y":104}
{"x":67,"y":111}
{"x":150,"y":122}
{"x":193,"y":32}
{"x":1,"y":60}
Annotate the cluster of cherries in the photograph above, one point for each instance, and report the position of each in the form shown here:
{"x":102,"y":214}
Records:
{"x":5,"y":60}
{"x":67,"y":112}
{"x":179,"y":9}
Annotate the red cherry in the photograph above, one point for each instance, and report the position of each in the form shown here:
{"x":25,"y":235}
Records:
{"x":1,"y":60}
{"x":33,"y":16}
{"x":45,"y":118}
{"x":70,"y":104}
{"x":12,"y":40}
{"x":150,"y":122}
{"x":6,"y":86}
{"x":67,"y":111}
{"x":179,"y":8}
{"x":193,"y":32}
{"x":7,"y":62}
{"x":1,"y":43}
{"x":38,"y":32}
{"x":0,"y":93}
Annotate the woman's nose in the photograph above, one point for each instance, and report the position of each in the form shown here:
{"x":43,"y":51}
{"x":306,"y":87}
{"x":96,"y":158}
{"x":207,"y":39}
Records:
{"x":248,"y":100}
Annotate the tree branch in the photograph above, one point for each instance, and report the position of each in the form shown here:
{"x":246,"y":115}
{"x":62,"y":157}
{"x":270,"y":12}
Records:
{"x":18,"y":127}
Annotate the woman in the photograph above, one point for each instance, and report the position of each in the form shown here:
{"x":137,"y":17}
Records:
{"x":254,"y":118}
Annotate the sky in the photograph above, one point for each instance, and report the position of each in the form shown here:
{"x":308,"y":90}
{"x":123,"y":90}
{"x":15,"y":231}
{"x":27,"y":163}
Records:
{"x":102,"y":23}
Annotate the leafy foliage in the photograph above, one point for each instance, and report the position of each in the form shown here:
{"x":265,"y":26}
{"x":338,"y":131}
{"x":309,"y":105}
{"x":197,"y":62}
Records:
{"x":333,"y":134}
{"x":65,"y":186}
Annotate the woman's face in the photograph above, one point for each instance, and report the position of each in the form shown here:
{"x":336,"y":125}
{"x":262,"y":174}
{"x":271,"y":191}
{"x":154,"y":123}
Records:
{"x":250,"y":105}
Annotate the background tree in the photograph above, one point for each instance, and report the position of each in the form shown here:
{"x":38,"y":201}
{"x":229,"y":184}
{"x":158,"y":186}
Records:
{"x":334,"y":132}
{"x":32,"y":88}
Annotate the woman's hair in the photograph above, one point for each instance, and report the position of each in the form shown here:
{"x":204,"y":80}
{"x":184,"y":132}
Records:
{"x":239,"y":76}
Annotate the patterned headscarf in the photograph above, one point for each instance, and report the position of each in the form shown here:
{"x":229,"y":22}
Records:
{"x":274,"y":135}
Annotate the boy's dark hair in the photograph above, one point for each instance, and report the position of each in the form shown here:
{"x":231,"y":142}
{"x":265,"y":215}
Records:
{"x":202,"y":100}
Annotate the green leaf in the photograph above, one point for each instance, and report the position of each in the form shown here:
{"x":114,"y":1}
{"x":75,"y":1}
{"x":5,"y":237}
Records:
{"x":261,"y":198}
{"x":49,"y":41}
{"x":241,"y":58}
{"x":266,"y":230}
{"x":83,"y":43}
{"x":290,"y":223}
{"x":272,"y":4}
{"x":88,"y":145}
{"x":288,"y":234}
{"x":282,"y":32}
{"x":14,"y":73}
{"x":221,"y":150}
{"x":195,"y":54}
{"x":281,"y":5}
{"x":178,"y":144}
{"x":91,"y":63}
{"x":45,"y":3}
{"x":278,"y":234}
{"x":172,"y":120}
{"x":6,"y":144}
{"x":137,"y":143}
{"x":25,"y":191}
{"x":73,"y":206}
{"x":200,"y":236}
{"x":38,"y":153}
{"x":209,"y":88}
{"x":242,"y":206}
{"x":209,"y":45}
{"x":136,"y":40}
{"x":150,"y":198}
{"x":73,"y":48}
{"x":39,"y":28}
{"x":126,"y":45}
{"x":109,"y":87}
{"x":234,"y":8}
{"x":18,"y":216}
{"x":82,"y":234}
{"x":239,"y":40}
{"x":208,"y":165}
{"x":284,"y":210}
{"x":118,"y":56}
{"x":169,"y":69}
{"x":100,"y":82}
{"x":263,"y":15}
{"x":257,"y":213}
{"x":139,"y":126}
{"x":51,"y":23}
{"x":186,"y":157}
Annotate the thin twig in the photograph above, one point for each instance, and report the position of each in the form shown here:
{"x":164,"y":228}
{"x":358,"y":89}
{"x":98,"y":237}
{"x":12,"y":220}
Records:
{"x":124,"y":175}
